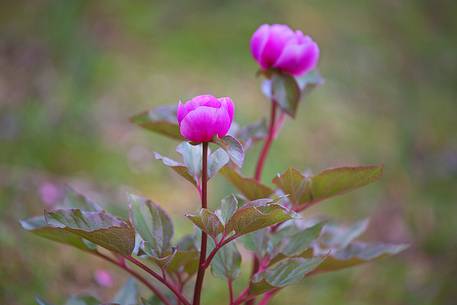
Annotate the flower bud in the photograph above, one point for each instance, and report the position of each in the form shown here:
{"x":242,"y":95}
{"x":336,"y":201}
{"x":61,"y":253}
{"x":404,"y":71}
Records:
{"x":205,"y":116}
{"x":278,"y":46}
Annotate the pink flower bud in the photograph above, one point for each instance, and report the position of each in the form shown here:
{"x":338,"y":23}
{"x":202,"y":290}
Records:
{"x":103,"y":278}
{"x":49,"y":193}
{"x":278,"y":46}
{"x":204,"y":116}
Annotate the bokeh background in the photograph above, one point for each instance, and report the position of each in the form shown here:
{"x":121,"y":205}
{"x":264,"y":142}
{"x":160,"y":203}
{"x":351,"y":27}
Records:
{"x":72,"y":72}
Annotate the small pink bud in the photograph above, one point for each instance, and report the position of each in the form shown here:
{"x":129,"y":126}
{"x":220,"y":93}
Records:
{"x":278,"y":46}
{"x":49,"y":193}
{"x":103,"y":278}
{"x":204,"y":116}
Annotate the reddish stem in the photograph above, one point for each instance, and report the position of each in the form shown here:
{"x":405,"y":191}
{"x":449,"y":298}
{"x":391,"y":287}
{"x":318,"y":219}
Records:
{"x":267,"y":144}
{"x":230,"y":288}
{"x":211,"y":255}
{"x":244,"y":298}
{"x":136,"y":275}
{"x":201,"y":268}
{"x":267,"y":297}
{"x":157,"y":276}
{"x":259,"y":168}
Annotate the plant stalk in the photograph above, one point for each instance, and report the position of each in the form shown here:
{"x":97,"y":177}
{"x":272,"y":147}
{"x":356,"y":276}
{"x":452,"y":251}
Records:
{"x":267,"y":144}
{"x":230,"y":289}
{"x":204,"y":197}
{"x":157,"y":276}
{"x":136,"y":275}
{"x":259,"y":169}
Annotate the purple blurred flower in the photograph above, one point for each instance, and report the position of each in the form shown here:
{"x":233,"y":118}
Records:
{"x":278,"y":46}
{"x":103,"y":278}
{"x":49,"y":193}
{"x":204,"y":116}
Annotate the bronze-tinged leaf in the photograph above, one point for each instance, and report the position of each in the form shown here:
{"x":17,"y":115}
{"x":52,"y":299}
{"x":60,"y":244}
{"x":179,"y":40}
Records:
{"x":161,"y":120}
{"x":256,"y":215}
{"x":284,"y":90}
{"x":309,"y":81}
{"x":227,"y":261}
{"x":250,"y":188}
{"x":304,"y":191}
{"x":153,"y":225}
{"x":233,"y":148}
{"x":100,"y":228}
{"x":208,"y":222}
{"x":40,"y":227}
{"x":357,"y":253}
{"x":287,"y":272}
{"x":229,"y":205}
{"x":184,"y":261}
{"x":179,"y":168}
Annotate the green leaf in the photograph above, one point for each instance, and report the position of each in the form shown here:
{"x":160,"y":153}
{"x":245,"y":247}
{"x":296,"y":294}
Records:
{"x":184,"y":261}
{"x":256,"y":215}
{"x":337,"y":236}
{"x":309,"y":81}
{"x":75,"y":200}
{"x":82,"y":300}
{"x":192,"y":158}
{"x":284,"y":90}
{"x":300,"y":241}
{"x":153,"y":225}
{"x":216,"y":161}
{"x":258,"y":242}
{"x":40,"y":227}
{"x":303,"y":190}
{"x":101,"y":228}
{"x":179,"y":168}
{"x":249,"y":187}
{"x":252,"y":133}
{"x":233,"y":148}
{"x":284,"y":273}
{"x":358,"y":253}
{"x":161,"y":120}
{"x":188,"y":242}
{"x":228,"y":207}
{"x":226,"y":262}
{"x":290,"y":271}
{"x":128,"y":294}
{"x":208,"y":222}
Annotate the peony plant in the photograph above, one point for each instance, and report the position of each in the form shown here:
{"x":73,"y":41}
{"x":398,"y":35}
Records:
{"x":281,"y":245}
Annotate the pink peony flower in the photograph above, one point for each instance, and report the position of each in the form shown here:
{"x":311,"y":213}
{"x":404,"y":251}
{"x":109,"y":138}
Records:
{"x":204,"y":116}
{"x":278,"y":46}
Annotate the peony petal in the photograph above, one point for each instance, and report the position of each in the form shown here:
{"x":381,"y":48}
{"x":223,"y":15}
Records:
{"x":278,"y":37}
{"x":258,"y":40}
{"x":191,"y":105}
{"x":199,"y":124}
{"x":228,"y":104}
{"x":223,"y":122}
{"x":206,"y":100}
{"x":299,"y":58}
{"x":181,"y":112}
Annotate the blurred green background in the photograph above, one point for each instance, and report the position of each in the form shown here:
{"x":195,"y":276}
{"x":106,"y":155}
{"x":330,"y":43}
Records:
{"x":72,"y":72}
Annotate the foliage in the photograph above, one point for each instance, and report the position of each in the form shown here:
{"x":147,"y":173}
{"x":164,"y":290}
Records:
{"x":286,"y":248}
